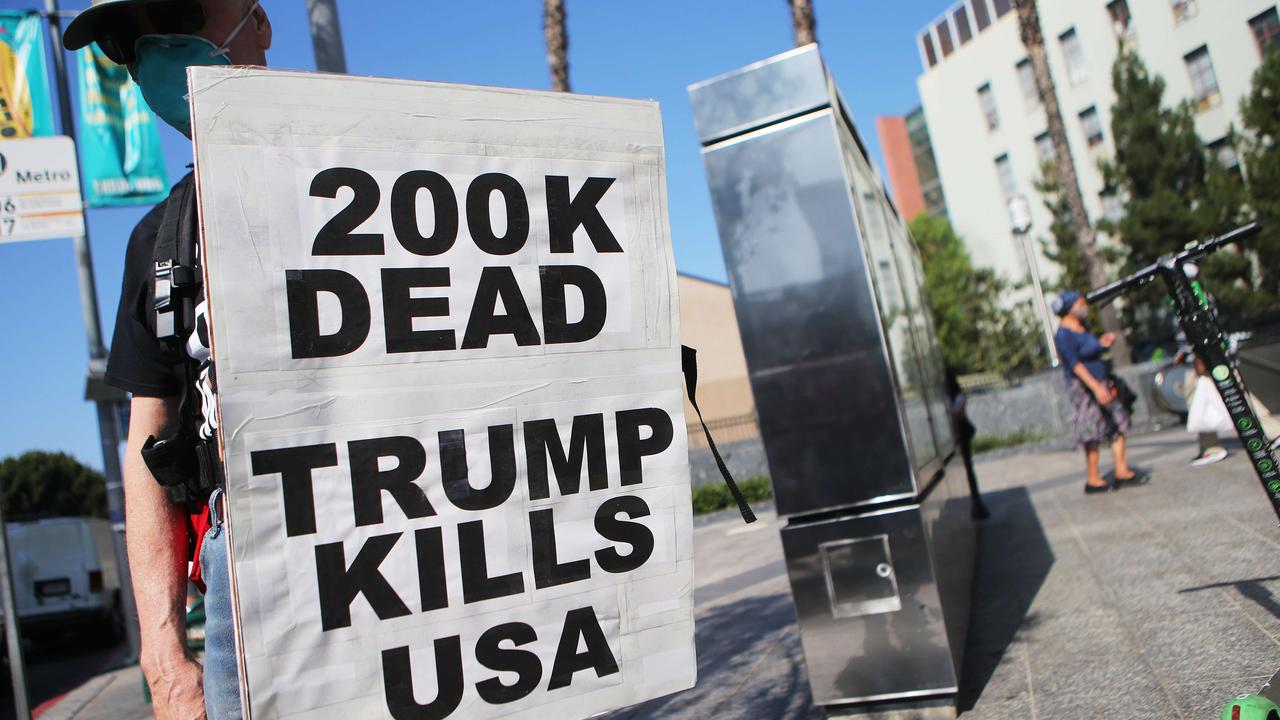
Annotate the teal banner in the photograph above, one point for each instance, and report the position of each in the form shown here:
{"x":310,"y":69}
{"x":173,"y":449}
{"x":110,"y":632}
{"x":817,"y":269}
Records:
{"x":25,"y":107}
{"x":120,"y":158}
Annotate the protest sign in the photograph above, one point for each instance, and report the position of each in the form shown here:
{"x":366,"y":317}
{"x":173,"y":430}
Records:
{"x":445,"y":326}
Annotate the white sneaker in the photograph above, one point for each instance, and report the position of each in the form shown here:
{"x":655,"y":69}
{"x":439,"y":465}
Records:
{"x":1209,"y":457}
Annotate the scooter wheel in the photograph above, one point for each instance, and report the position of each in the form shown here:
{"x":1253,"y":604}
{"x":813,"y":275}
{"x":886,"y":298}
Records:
{"x":1250,"y":707}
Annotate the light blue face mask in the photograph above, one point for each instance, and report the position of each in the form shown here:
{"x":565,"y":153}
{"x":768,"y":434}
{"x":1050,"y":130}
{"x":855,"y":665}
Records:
{"x":160,"y":69}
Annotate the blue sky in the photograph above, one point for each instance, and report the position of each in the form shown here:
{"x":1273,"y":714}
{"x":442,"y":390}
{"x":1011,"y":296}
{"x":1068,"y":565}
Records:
{"x":651,"y":49}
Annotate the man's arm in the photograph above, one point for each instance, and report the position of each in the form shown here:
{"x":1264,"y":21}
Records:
{"x":157,"y":542}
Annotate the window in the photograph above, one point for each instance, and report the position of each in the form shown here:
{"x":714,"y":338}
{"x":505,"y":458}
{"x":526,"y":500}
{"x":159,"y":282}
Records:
{"x":1112,"y":208}
{"x":1204,"y":83}
{"x":987,"y":102}
{"x":1027,"y":81}
{"x":980,"y":15}
{"x":1002,"y":7}
{"x":926,"y":42}
{"x":961,"y":18}
{"x":1073,"y":53}
{"x":1266,"y":30}
{"x":1044,"y":149}
{"x":1119,"y":11}
{"x":944,"y":38}
{"x":1092,"y":126}
{"x":1224,"y":153}
{"x":1183,"y":10}
{"x":1004,"y":171}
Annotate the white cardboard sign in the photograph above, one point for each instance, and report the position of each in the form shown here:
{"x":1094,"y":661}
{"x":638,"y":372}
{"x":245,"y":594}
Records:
{"x":444,"y":320}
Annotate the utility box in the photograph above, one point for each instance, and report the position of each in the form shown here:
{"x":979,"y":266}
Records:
{"x":844,"y":365}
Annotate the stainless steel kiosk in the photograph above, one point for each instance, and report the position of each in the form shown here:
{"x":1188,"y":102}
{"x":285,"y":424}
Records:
{"x":843,"y":358}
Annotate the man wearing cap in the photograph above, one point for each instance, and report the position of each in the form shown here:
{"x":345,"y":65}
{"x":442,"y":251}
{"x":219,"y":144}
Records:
{"x":173,"y":383}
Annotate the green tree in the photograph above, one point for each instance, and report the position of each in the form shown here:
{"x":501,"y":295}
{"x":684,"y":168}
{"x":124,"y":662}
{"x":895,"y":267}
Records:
{"x":50,"y":484}
{"x":1260,"y":142}
{"x":1159,"y":166}
{"x":976,"y":332}
{"x":1175,"y":193}
{"x":1061,"y":248}
{"x":1228,"y":273}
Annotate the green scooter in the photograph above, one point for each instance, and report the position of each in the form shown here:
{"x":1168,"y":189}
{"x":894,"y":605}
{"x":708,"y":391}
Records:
{"x":1192,"y":309}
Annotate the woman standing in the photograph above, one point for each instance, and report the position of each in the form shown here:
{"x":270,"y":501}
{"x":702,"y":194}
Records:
{"x":1096,"y":416}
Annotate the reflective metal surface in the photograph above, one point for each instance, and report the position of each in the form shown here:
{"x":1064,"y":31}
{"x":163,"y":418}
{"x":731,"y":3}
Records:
{"x":897,"y":644}
{"x":780,"y":87}
{"x":827,"y":287}
{"x":825,"y":394}
{"x":829,"y":294}
{"x":953,"y":542}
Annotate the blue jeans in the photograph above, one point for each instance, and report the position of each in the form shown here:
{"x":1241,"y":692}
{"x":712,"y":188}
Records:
{"x":221,"y":675}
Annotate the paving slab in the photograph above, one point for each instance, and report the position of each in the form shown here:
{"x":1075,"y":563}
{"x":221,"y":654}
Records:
{"x":1160,"y":601}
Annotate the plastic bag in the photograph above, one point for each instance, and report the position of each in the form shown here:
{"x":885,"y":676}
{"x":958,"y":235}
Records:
{"x":1208,"y":414}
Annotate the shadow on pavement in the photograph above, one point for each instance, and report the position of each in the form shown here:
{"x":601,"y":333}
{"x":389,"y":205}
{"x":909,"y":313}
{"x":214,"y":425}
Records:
{"x":1252,"y":589}
{"x":58,"y":666}
{"x":749,"y":666}
{"x":1013,"y":561}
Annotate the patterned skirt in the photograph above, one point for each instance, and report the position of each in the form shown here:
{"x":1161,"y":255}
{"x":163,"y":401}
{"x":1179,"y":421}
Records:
{"x":1090,"y":422}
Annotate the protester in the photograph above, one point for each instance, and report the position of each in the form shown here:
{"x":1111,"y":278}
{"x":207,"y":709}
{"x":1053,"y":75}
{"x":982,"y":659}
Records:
{"x":173,"y":382}
{"x":965,"y":431}
{"x":1096,"y":415}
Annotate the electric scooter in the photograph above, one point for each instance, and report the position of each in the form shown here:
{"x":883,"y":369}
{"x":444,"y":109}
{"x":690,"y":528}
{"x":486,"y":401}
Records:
{"x":1191,"y":306}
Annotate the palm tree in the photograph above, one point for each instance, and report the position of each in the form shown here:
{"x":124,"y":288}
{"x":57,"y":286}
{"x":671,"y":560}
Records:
{"x":553,"y":28}
{"x":1094,"y":266}
{"x":802,"y":22}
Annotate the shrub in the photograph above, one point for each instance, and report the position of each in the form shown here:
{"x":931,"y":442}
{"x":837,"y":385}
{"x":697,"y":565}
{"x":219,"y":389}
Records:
{"x":716,"y":496}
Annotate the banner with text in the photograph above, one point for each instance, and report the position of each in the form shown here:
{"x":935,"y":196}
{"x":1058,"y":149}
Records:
{"x":25,"y":109}
{"x":119,"y":142}
{"x":445,"y":325}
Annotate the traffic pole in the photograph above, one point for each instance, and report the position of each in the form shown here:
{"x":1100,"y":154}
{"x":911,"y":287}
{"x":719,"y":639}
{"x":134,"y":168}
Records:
{"x":108,"y":429}
{"x":13,"y":640}
{"x":326,"y":36}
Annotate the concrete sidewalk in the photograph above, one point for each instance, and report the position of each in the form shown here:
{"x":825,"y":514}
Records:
{"x":1151,"y":602}
{"x":116,"y":695}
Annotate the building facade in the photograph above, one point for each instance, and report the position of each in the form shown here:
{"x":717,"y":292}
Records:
{"x":987,"y":125}
{"x":709,"y":325}
{"x":913,"y":172}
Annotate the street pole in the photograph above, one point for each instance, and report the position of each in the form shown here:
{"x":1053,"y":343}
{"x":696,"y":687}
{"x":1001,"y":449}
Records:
{"x":326,"y":36}
{"x":1020,"y":218}
{"x":1042,"y":308}
{"x":108,"y":429}
{"x":13,"y":640}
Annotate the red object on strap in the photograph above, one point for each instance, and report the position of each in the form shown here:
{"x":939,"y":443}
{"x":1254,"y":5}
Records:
{"x":200,"y":524}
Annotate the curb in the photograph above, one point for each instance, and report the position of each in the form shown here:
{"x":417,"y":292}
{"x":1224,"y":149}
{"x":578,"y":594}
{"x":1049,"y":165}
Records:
{"x":68,"y":706}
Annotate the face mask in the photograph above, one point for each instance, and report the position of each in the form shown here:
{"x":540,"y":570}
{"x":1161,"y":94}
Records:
{"x":160,"y":69}
{"x":1080,"y":314}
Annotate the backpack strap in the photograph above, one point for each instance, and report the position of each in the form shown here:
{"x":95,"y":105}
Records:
{"x":175,"y":266}
{"x":184,"y":463}
{"x":689,"y":364}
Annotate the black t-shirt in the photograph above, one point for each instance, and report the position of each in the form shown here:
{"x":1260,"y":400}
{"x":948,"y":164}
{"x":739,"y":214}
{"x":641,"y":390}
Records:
{"x":139,"y":362}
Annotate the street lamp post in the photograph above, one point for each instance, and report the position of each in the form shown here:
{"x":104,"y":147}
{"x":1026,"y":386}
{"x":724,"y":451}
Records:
{"x":1020,"y":220}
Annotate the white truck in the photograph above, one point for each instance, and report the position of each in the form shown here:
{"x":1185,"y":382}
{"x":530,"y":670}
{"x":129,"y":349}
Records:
{"x":65,"y":577}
